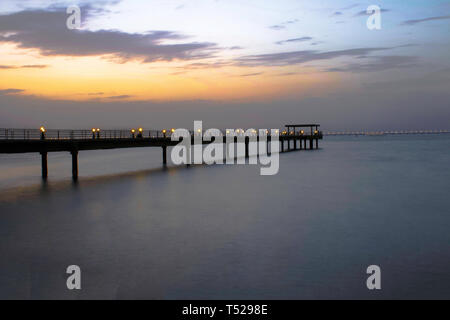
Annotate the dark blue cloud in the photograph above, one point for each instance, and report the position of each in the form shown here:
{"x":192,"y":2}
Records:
{"x":298,"y":57}
{"x":378,"y":63}
{"x":413,"y":22}
{"x":364,"y":12}
{"x":46,"y":31}
{"x":283,"y":25}
{"x":301,"y":39}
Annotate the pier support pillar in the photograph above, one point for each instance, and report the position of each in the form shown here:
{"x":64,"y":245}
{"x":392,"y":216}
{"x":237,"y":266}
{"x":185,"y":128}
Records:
{"x":317,"y":143}
{"x":257,"y":147}
{"x":164,"y":150}
{"x":289,"y":144}
{"x":246,"y":146}
{"x":311,"y":144}
{"x":44,"y":165}
{"x":74,"y":165}
{"x":282,"y":145}
{"x":295,"y":143}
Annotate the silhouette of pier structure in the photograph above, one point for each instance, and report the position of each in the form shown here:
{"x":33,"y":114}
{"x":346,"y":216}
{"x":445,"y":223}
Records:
{"x":43,"y":141}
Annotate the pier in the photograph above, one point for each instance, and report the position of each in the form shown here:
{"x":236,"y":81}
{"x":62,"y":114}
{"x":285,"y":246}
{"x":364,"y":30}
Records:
{"x":42,"y":141}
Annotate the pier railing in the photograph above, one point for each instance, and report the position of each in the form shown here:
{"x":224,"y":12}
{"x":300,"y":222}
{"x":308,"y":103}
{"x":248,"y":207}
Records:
{"x":66,"y":134}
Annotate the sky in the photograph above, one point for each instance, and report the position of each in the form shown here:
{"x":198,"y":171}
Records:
{"x":230,"y":63}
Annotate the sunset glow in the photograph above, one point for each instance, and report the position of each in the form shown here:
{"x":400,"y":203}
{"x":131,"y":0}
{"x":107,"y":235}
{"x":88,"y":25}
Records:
{"x":97,"y":77}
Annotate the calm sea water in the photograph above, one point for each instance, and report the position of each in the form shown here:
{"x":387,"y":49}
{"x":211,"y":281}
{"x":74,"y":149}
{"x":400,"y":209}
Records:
{"x":213,"y":232}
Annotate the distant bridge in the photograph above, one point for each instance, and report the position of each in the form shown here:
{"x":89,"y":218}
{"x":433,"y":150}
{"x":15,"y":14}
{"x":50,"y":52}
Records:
{"x":43,"y":141}
{"x":381,"y":133}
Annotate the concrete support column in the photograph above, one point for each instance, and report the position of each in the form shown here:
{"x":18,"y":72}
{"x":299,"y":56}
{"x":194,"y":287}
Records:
{"x":44,"y":165}
{"x":257,"y":147}
{"x":74,"y":165}
{"x":164,"y":150}
{"x":247,"y":139}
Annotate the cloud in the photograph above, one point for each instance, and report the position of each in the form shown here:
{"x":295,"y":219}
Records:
{"x":337,"y":13}
{"x":207,"y":65}
{"x":378,"y":63}
{"x":277,"y":27}
{"x":10,"y":91}
{"x":364,"y":12}
{"x":298,"y":57}
{"x":30,"y":66}
{"x":413,"y":22}
{"x":285,"y":74}
{"x":46,"y":31}
{"x":251,"y":74}
{"x":124,"y":96}
{"x":294,"y":40}
{"x":283,"y":25}
{"x":34,"y":66}
{"x":7,"y":67}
